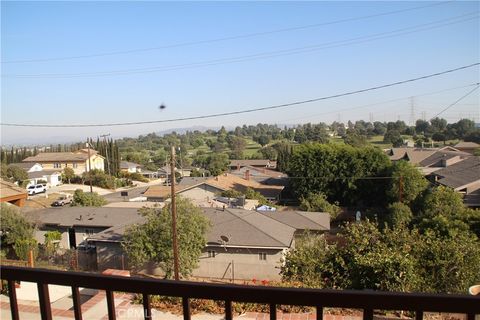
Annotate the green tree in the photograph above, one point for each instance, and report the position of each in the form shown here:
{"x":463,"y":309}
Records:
{"x":318,"y":202}
{"x":217,"y":163}
{"x":17,"y":174}
{"x":22,"y":248}
{"x":68,"y":174}
{"x":393,"y":137}
{"x":152,"y":241}
{"x":334,"y":170}
{"x":87,"y":199}
{"x":355,"y":139}
{"x":448,"y":264}
{"x":367,"y":259}
{"x":15,"y":228}
{"x":398,"y":215}
{"x":99,"y":178}
{"x":306,"y":263}
{"x":441,"y":210}
{"x":407,"y":181}
{"x":14,"y":225}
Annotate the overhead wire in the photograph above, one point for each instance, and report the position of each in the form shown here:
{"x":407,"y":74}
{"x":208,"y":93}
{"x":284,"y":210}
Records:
{"x":457,"y":101}
{"x":248,"y":35}
{"x":247,"y":110}
{"x":257,"y":56}
{"x":384,"y":102}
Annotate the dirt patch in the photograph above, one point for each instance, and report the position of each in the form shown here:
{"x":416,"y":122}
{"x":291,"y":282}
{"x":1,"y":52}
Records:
{"x":41,"y":201}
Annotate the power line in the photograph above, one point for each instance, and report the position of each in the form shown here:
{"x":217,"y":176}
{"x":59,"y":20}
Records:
{"x":381,"y":102}
{"x":244,"y":111}
{"x":248,"y":35}
{"x":460,"y":99}
{"x":257,"y":56}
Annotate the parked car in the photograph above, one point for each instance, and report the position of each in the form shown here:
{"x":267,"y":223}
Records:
{"x":37,"y":188}
{"x":63,"y":200}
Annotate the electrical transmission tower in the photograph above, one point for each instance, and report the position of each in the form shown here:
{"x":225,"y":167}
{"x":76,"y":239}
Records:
{"x":412,"y":111}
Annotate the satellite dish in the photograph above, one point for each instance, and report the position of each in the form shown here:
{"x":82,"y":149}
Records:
{"x":225,"y":239}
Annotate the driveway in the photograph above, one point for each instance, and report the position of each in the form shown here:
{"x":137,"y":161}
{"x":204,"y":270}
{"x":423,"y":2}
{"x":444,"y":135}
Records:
{"x":70,"y":188}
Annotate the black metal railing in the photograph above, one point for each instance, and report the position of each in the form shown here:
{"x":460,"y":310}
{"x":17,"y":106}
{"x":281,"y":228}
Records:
{"x":368,"y":301}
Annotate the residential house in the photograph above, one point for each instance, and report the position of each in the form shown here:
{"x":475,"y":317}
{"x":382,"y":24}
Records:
{"x":130,"y":167}
{"x":464,"y":177}
{"x":428,"y":160}
{"x":164,"y":172}
{"x":76,"y":224}
{"x":241,"y":244}
{"x":262,"y":175}
{"x":78,"y":160}
{"x":37,"y":174}
{"x":11,"y":193}
{"x":468,"y":147}
{"x":202,"y":190}
{"x":259,"y":163}
{"x":446,"y":166}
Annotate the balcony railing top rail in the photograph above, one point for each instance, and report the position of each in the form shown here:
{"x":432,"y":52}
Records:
{"x":366,"y":300}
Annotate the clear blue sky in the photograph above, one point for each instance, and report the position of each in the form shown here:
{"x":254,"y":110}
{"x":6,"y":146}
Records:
{"x":448,"y":38}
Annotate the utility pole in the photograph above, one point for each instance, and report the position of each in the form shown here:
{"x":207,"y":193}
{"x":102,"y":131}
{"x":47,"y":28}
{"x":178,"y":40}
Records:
{"x":104,"y":136}
{"x":89,"y":167}
{"x":174,"y":213}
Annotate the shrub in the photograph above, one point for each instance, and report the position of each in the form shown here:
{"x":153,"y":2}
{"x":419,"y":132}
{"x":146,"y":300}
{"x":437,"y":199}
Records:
{"x":318,"y":202}
{"x":22,"y":248}
{"x":84,"y":199}
{"x":99,"y":179}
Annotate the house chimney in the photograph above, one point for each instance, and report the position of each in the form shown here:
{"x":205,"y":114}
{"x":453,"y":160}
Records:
{"x":247,"y":175}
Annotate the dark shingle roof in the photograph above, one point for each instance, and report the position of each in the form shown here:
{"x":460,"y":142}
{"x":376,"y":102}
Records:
{"x":244,"y":228}
{"x":460,"y":173}
{"x":84,"y":216}
{"x":301,"y":220}
{"x":435,"y":160}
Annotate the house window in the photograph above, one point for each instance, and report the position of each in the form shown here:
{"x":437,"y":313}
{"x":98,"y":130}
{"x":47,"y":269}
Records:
{"x":75,"y":165}
{"x":262,"y":256}
{"x":57,"y":165}
{"x":89,"y":232}
{"x":211,"y":254}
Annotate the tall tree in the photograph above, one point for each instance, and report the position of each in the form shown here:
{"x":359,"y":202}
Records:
{"x":152,"y":241}
{"x":407,"y":183}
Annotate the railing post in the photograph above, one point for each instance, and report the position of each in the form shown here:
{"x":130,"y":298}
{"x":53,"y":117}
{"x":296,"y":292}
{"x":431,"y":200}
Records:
{"x":228,"y":310}
{"x":13,"y":299}
{"x":77,"y":309}
{"x":367,"y":314}
{"x":418,"y":315}
{"x":44,"y":301}
{"x":319,"y":310}
{"x":273,"y":311}
{"x":186,"y":308}
{"x":110,"y":305}
{"x":147,"y":309}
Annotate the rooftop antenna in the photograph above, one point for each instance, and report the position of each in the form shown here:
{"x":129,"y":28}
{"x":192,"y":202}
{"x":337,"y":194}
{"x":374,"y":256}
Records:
{"x":224,"y":240}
